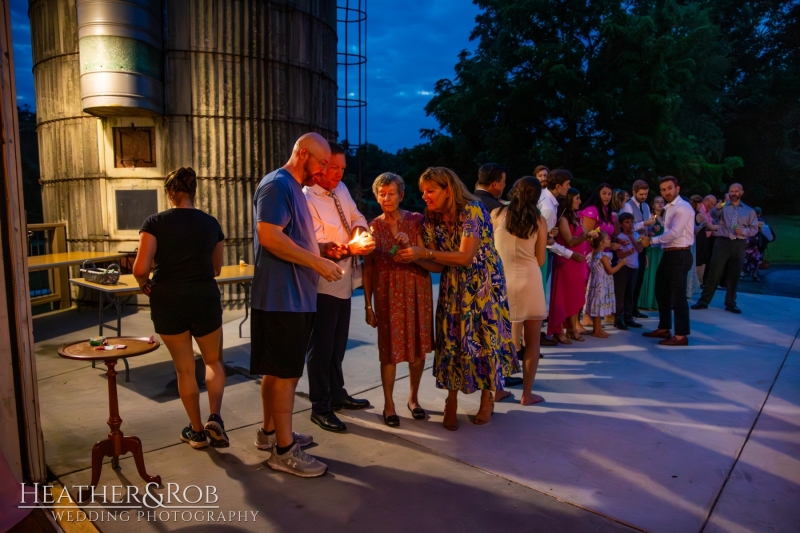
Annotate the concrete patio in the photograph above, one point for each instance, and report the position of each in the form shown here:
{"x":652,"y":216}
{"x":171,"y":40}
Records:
{"x":632,"y":436}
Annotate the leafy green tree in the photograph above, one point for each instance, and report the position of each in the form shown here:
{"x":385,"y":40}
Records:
{"x":612,"y":91}
{"x":29,"y":157}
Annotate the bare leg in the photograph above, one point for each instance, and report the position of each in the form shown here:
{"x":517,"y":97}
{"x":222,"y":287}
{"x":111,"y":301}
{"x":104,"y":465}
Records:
{"x":268,"y":424}
{"x":516,"y":334}
{"x":531,"y":363}
{"x":180,"y":348}
{"x":211,"y":349}
{"x":415,"y":370}
{"x":575,"y":328}
{"x":598,"y":328}
{"x":450,"y":408}
{"x":486,"y":410}
{"x":281,"y":404}
{"x":700,"y":271}
{"x":388,"y":374}
{"x":586,"y":320}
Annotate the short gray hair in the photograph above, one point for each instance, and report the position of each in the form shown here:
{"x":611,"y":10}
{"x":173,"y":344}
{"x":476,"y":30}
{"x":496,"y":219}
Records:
{"x":387,"y":178}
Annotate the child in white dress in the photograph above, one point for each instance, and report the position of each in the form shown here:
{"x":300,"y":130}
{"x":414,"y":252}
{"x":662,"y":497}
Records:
{"x":600,"y":300}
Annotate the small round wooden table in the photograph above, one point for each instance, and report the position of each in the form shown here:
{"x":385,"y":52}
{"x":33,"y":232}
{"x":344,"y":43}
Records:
{"x":116,"y":444}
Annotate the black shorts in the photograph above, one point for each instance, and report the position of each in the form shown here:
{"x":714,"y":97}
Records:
{"x":278,"y":342}
{"x":179,"y":307}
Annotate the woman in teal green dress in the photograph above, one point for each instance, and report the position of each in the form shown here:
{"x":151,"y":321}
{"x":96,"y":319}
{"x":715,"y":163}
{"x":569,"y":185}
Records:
{"x":474,"y":349}
{"x":647,"y":298}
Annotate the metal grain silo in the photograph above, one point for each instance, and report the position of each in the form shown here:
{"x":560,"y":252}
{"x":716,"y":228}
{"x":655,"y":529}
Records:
{"x":121,"y":59}
{"x":242,"y":79}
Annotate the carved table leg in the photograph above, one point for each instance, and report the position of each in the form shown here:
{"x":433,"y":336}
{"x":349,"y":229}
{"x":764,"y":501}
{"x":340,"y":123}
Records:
{"x":117,"y":444}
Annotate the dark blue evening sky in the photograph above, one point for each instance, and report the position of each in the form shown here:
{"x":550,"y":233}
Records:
{"x":411,"y":45}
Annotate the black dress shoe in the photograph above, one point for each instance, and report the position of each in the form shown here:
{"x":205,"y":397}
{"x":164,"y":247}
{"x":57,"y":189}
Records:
{"x":393,"y":421}
{"x":639,"y":314}
{"x":620,"y":324}
{"x":512,"y":381}
{"x":699,"y":306}
{"x":631,"y":323}
{"x":328,"y":421}
{"x":735,"y":310}
{"x":544,"y":341}
{"x":351,"y":403}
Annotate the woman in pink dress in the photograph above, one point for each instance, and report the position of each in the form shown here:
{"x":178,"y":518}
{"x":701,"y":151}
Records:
{"x":568,"y":285}
{"x":596,"y":212}
{"x":403,"y":311}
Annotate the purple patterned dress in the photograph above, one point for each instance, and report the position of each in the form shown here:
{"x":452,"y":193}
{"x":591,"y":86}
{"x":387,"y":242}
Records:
{"x":474,"y":350}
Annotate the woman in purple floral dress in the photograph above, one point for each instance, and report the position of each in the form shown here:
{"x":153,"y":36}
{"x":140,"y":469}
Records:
{"x":474,"y":350}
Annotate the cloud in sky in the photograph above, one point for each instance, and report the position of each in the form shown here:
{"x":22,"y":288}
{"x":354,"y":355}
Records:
{"x":410,"y":46}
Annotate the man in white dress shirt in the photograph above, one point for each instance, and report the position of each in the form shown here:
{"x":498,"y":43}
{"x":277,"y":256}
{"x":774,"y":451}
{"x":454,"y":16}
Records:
{"x":637,"y":206}
{"x":672,"y":273}
{"x":558,"y":183}
{"x":336,"y":219}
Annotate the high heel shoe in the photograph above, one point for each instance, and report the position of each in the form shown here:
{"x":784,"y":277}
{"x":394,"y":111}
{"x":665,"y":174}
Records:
{"x":450,"y":422}
{"x":480,"y":421}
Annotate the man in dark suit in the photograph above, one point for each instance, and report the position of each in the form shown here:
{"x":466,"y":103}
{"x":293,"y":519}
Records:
{"x":490,"y":186}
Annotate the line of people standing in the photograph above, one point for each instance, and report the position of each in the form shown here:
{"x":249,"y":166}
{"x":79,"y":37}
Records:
{"x":492,"y":257}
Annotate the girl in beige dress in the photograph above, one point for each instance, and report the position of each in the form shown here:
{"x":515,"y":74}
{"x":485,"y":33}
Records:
{"x":520,"y":235}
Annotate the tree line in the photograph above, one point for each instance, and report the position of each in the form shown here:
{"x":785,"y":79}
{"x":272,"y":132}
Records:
{"x":708,"y":91}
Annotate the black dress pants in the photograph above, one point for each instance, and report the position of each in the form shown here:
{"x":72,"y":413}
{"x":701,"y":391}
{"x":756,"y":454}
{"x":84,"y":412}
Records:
{"x":725,"y":265}
{"x":671,"y":278}
{"x":639,"y":279}
{"x":711,"y":241}
{"x":624,"y":288}
{"x":326,"y":353}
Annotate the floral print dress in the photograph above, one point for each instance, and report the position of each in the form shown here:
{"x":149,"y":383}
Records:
{"x":600,"y":299}
{"x":403,"y":296}
{"x":473,"y":347}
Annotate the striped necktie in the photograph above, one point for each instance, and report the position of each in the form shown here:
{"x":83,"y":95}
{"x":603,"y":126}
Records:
{"x":734,"y":221}
{"x":341,"y":213}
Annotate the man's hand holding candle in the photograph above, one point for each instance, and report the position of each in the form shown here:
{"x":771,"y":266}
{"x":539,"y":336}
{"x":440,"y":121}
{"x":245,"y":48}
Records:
{"x":362,"y":242}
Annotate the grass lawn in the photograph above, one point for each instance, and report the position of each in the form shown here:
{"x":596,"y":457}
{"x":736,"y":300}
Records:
{"x":786,"y":248}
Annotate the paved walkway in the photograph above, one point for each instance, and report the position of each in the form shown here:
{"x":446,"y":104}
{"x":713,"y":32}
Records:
{"x":632,"y":437}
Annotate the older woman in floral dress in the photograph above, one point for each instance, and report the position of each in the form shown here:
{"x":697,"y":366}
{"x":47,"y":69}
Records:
{"x":403,"y":295}
{"x":474,"y":349}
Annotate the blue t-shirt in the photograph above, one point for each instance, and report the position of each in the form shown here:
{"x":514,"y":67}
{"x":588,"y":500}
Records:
{"x":280,"y":285}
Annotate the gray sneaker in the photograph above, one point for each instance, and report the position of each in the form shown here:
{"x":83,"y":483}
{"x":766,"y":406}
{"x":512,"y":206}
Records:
{"x":267,"y":442}
{"x":296,"y":462}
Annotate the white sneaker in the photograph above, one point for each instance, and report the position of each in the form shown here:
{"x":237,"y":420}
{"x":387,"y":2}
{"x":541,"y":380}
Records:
{"x":297,"y":462}
{"x":267,"y":442}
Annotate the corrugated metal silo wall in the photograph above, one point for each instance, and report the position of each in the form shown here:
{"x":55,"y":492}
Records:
{"x":244,"y":80}
{"x":72,"y":181}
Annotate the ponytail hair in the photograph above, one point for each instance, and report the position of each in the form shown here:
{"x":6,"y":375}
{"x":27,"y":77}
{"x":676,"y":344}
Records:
{"x":598,"y":239}
{"x":183,"y":180}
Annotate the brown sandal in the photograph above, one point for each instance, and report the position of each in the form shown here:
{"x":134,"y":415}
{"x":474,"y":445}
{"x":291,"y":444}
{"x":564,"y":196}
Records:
{"x":575,"y":335}
{"x":566,"y":337}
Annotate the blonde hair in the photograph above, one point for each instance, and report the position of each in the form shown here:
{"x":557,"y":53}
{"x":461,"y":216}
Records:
{"x":459,"y":194}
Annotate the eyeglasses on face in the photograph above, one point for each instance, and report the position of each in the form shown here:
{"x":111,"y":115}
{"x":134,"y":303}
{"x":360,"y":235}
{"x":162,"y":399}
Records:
{"x":323,"y":164}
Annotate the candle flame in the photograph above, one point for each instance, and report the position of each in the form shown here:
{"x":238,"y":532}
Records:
{"x":359,"y":236}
